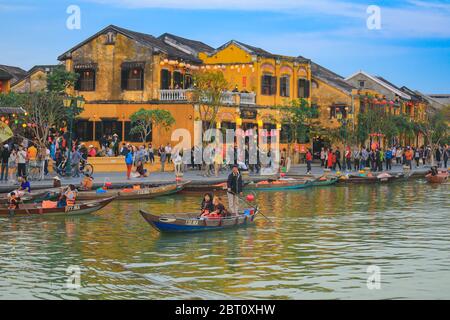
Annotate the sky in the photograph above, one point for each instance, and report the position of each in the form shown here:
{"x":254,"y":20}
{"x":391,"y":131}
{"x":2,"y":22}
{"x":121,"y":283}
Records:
{"x":409,"y":46}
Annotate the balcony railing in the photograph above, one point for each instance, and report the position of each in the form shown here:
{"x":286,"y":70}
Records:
{"x":173,"y":94}
{"x":228,"y":98}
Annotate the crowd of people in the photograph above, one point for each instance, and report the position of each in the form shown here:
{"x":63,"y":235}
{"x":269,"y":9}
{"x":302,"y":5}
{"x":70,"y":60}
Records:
{"x":379,"y":159}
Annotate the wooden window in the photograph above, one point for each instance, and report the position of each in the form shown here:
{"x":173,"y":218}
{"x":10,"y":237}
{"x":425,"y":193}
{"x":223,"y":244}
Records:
{"x":268,"y":85}
{"x":133,"y":79}
{"x":165,"y":79}
{"x":86,"y":80}
{"x":188,"y":81}
{"x":177,"y":80}
{"x":285,"y":86}
{"x":338,"y":109}
{"x":303,"y":88}
{"x":84,"y":130}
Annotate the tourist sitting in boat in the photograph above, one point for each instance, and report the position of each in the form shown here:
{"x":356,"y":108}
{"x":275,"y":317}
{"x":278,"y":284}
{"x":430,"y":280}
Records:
{"x":207,"y":204}
{"x":24,"y":184}
{"x":434,"y":171}
{"x":140,"y":169}
{"x":56,"y":182}
{"x":218,"y":209}
{"x":87,"y":183}
{"x":13,"y":201}
{"x":71,"y":195}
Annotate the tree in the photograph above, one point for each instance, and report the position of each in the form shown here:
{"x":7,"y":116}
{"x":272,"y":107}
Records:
{"x":143,"y":122}
{"x":435,"y":128}
{"x":208,"y":94}
{"x":44,"y":111}
{"x":299,"y":120}
{"x":59,"y":80}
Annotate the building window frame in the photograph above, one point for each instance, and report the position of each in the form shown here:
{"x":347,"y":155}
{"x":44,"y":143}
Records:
{"x":268,"y":85}
{"x":86,"y":80}
{"x":285,"y":86}
{"x":303,"y":88}
{"x":133,"y":74}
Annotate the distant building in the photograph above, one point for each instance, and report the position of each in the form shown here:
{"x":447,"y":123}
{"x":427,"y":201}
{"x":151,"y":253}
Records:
{"x":34,"y":80}
{"x":9,"y":75}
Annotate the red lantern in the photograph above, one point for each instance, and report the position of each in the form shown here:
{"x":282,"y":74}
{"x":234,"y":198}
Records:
{"x":383,"y":102}
{"x":375,"y":101}
{"x":250,"y":198}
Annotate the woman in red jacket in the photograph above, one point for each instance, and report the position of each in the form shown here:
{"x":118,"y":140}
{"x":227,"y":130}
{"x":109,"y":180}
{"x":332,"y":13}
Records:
{"x":330,"y":159}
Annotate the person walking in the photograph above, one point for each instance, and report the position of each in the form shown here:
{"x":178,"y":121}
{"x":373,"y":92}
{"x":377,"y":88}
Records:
{"x":348,"y":159}
{"x":417,"y":156}
{"x":398,"y":155}
{"x":235,"y":188}
{"x":309,"y":159}
{"x":408,"y":154}
{"x":330,"y":159}
{"x":177,"y":162}
{"x":162,"y":157}
{"x":75,"y":163}
{"x":356,"y":158}
{"x":4,"y":155}
{"x":365,"y":158}
{"x":151,"y":154}
{"x":438,"y":156}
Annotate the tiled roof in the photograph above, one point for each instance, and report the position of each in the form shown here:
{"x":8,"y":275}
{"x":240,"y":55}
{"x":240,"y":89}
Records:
{"x":16,"y":73}
{"x":143,"y":38}
{"x":198,"y":46}
{"x":330,"y":77}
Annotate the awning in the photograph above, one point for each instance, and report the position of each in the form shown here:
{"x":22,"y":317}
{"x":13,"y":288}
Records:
{"x":86,"y":66}
{"x":133,"y":65}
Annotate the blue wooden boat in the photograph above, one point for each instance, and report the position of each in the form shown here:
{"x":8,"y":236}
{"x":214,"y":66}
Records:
{"x":279,"y":185}
{"x":191,"y":222}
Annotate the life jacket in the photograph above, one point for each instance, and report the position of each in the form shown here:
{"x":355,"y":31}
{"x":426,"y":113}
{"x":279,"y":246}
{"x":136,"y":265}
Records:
{"x":70,"y":198}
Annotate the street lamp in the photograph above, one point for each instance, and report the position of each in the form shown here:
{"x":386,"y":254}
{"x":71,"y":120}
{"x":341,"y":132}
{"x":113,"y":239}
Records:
{"x":72,"y":104}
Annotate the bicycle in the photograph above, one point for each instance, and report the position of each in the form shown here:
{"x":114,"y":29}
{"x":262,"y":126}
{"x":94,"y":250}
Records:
{"x":86,"y":168}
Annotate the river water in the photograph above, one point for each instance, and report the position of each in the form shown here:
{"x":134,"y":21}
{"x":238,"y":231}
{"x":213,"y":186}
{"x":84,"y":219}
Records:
{"x":321,"y":245}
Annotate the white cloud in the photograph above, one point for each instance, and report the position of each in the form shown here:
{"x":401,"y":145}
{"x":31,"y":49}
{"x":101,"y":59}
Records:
{"x":409,"y":19}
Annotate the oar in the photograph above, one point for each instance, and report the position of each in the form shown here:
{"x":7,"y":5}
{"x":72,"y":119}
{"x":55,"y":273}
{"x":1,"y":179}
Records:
{"x":251,"y":205}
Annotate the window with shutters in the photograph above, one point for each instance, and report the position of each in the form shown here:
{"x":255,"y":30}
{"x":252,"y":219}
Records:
{"x":177,"y":80}
{"x":133,"y":79}
{"x":268,"y":85}
{"x":165,"y":79}
{"x":188,"y":81}
{"x":303,"y":88}
{"x":86,"y":80}
{"x":284,"y":86}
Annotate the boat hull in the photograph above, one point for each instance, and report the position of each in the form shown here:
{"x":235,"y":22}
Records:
{"x":34,"y":210}
{"x":439,"y":178}
{"x":191,"y":223}
{"x":279,"y":187}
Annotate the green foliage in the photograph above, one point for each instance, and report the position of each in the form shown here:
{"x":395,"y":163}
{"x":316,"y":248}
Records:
{"x":59,"y":80}
{"x":143,"y":121}
{"x":44,"y":111}
{"x":208,"y":93}
{"x":299,"y":117}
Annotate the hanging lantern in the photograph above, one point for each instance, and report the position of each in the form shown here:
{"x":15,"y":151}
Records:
{"x":391,"y":103}
{"x":7,"y":121}
{"x":24,"y":125}
{"x":16,"y":121}
{"x":383,"y":102}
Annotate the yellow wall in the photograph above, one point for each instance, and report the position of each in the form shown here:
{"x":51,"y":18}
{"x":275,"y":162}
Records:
{"x":37,"y":81}
{"x":240,"y":64}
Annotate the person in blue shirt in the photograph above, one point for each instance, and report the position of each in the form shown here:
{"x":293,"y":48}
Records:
{"x":25,"y":184}
{"x":129,"y":162}
{"x":388,"y":156}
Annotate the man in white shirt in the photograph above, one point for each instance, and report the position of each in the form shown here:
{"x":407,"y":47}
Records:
{"x":22,"y":156}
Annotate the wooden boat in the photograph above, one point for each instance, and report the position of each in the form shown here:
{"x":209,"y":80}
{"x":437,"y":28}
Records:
{"x":326,"y":182}
{"x":278,"y":185}
{"x":132,"y":194}
{"x":372,"y":179}
{"x":218,"y":187}
{"x":36,"y":210}
{"x":33,"y":196}
{"x":190,"y":222}
{"x":441,"y":177}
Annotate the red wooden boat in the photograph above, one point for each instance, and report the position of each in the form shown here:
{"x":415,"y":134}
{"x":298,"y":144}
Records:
{"x":440,"y":177}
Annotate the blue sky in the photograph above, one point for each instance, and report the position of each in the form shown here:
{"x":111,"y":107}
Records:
{"x":412,"y":47}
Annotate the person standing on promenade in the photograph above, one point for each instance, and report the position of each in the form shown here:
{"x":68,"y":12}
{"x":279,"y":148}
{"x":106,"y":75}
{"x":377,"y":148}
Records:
{"x":408,"y":154}
{"x":12,"y":164}
{"x":417,"y":156}
{"x":322,"y":157}
{"x":22,"y":158}
{"x":5,"y":161}
{"x":309,"y":159}
{"x":330,"y":159}
{"x":398,"y":155}
{"x":388,"y":156}
{"x":364,"y":158}
{"x":446,"y":155}
{"x":348,"y":159}
{"x":75,"y":163}
{"x":337,"y":159}
{"x":356,"y":158}
{"x":129,"y":161}
{"x":162,"y":157}
{"x":168,"y":150}
{"x":235,"y":188}
{"x":151,"y":154}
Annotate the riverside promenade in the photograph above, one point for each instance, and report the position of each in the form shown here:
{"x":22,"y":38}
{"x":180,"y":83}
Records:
{"x":194,"y":176}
